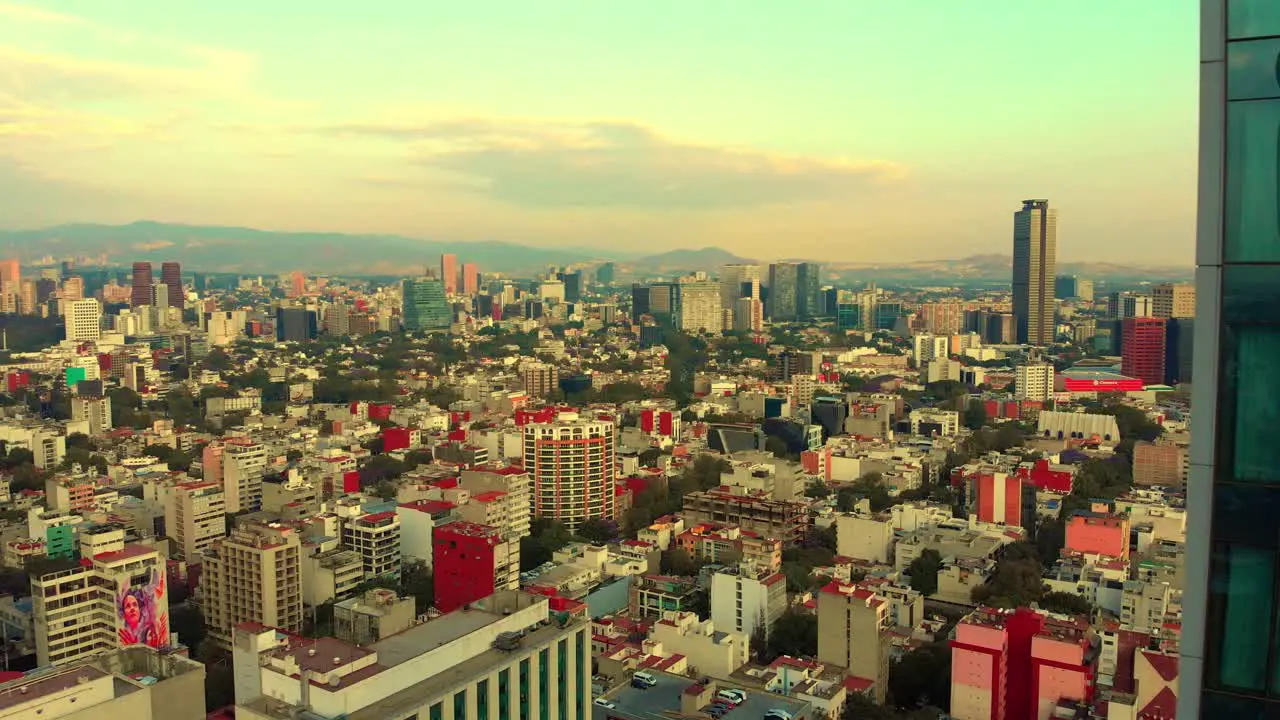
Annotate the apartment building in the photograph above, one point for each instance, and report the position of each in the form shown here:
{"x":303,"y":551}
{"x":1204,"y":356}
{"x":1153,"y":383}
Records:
{"x":136,"y":682}
{"x":92,"y":410}
{"x":728,"y":544}
{"x":539,"y":379}
{"x":376,"y":537}
{"x":513,"y":482}
{"x":377,"y":614}
{"x":241,"y":462}
{"x":1173,"y":300}
{"x":752,"y":511}
{"x":115,"y":597}
{"x":472,"y":562}
{"x":1034,"y":381}
{"x":747,"y":599}
{"x":329,"y":573}
{"x":853,"y":627}
{"x":254,"y":575}
{"x":502,"y":657}
{"x":573,"y":463}
{"x":195,"y":517}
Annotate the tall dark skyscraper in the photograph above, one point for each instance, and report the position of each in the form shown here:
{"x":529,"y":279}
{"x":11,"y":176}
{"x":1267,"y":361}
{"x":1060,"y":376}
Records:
{"x":1230,"y":644}
{"x":171,"y":276}
{"x":808,"y":290}
{"x":604,"y":273}
{"x":141,"y":283}
{"x":784,"y":282}
{"x":1035,"y":252}
{"x":296,"y":325}
{"x":639,"y":300}
{"x":572,"y":285}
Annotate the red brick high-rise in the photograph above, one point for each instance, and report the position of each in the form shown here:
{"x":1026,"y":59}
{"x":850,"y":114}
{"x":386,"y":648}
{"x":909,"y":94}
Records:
{"x":449,"y":273}
{"x":1142,"y":349}
{"x":142,"y":284}
{"x":171,"y":276}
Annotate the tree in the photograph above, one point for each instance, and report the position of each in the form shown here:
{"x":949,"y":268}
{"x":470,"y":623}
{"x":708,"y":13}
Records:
{"x":158,"y":451}
{"x":975,"y":415}
{"x":187,"y":622}
{"x":678,"y":561}
{"x":1066,"y":603}
{"x":777,"y":446}
{"x":544,"y":538}
{"x":1017,"y":580}
{"x":794,"y":633}
{"x":922,"y":677}
{"x":597,"y":531}
{"x":817,"y":489}
{"x":924,"y":571}
{"x":649,"y":457}
{"x":416,"y":581}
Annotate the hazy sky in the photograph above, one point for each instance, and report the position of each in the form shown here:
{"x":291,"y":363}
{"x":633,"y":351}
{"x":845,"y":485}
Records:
{"x":847,"y":130}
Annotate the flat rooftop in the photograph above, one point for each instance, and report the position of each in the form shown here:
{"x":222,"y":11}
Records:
{"x":420,"y":639}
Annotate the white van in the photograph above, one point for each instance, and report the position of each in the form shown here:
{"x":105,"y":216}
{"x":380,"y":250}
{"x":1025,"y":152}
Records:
{"x":732,"y":698}
{"x":643,"y":680}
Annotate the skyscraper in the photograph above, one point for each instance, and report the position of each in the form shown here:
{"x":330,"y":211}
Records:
{"x":141,"y":283}
{"x":808,"y":290}
{"x":1143,"y":349}
{"x":171,"y":276}
{"x":1035,"y":251}
{"x":604,"y":274}
{"x":449,"y":272}
{"x":732,"y":279}
{"x":424,"y":305}
{"x":572,"y":461}
{"x":784,"y":281}
{"x":699,"y":305}
{"x":470,"y":278}
{"x":1230,"y":652}
{"x":297,"y":284}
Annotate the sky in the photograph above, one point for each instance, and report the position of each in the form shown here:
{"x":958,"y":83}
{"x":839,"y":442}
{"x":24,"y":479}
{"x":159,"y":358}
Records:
{"x":840,"y":130}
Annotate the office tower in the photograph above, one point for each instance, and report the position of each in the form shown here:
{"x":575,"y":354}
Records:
{"x":1178,"y":350}
{"x":1142,"y":349}
{"x":1019,"y":664}
{"x":1035,"y":248}
{"x":808,"y":290}
{"x":1073,"y":287}
{"x":848,"y":316}
{"x":65,"y":269}
{"x":572,"y":461}
{"x":424,"y":305}
{"x":171,"y":276}
{"x":470,"y":562}
{"x":506,"y":657}
{"x":73,"y":289}
{"x":853,"y":627}
{"x":10,"y":271}
{"x":748,"y":315}
{"x":141,"y":283}
{"x":376,"y":537}
{"x":605,"y":273}
{"x":470,"y":278}
{"x":828,"y":299}
{"x":1173,"y":300}
{"x":84,"y":320}
{"x":296,"y":324}
{"x":551,"y":291}
{"x":664,"y":300}
{"x":572,"y":285}
{"x":1034,"y":381}
{"x":115,"y":597}
{"x":449,"y":272}
{"x":784,"y":282}
{"x":887,"y":315}
{"x":942,"y":318}
{"x":699,"y":305}
{"x":254,"y":575}
{"x":1229,"y":655}
{"x":27,"y":297}
{"x":195,"y":517}
{"x":93,"y":409}
{"x":733,"y":278}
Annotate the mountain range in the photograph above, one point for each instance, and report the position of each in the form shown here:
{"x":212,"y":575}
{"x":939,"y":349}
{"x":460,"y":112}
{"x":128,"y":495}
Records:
{"x":251,"y":251}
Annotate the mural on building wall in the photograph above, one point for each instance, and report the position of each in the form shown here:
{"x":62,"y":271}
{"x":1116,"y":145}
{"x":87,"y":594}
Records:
{"x":143,"y":612}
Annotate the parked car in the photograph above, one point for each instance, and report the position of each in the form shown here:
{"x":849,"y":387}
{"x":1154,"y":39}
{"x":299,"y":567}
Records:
{"x":605,"y":703}
{"x":776,"y":714}
{"x":731,"y":697}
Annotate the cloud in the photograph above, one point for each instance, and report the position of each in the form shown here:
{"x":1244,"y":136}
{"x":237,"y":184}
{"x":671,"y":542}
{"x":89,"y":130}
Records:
{"x":27,"y":13}
{"x":618,"y":165}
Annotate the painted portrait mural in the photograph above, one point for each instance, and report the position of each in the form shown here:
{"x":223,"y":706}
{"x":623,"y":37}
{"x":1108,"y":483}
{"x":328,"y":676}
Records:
{"x":142,"y":612}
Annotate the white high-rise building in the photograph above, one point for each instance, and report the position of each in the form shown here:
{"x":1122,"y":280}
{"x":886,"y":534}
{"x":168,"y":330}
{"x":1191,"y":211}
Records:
{"x":84,"y":320}
{"x":1035,"y":252}
{"x":1034,"y":381}
{"x":699,"y":303}
{"x":572,"y":461}
{"x":926,"y":347}
{"x":93,"y":409}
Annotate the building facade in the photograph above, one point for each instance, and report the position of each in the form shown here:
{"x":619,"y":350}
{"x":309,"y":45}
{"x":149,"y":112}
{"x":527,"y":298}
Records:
{"x":424,"y":305}
{"x":1230,"y":661}
{"x":471,"y":562}
{"x":1143,"y":351}
{"x":254,"y":575}
{"x":572,"y":461}
{"x":1035,"y":252}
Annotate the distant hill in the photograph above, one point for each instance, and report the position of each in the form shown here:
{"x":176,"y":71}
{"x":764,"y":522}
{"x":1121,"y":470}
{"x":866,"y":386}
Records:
{"x":236,"y":249}
{"x":248,"y":250}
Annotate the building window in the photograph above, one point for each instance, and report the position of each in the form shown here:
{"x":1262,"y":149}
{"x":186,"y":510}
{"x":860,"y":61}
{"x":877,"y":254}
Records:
{"x":1252,"y":229}
{"x":562,"y":679}
{"x":1252,"y":18}
{"x":504,"y":694}
{"x":544,"y":686}
{"x":460,"y":705}
{"x":482,"y":700}
{"x":1251,"y":365}
{"x":1241,"y":599}
{"x":580,"y":660}
{"x":436,"y":712}
{"x":524,"y":689}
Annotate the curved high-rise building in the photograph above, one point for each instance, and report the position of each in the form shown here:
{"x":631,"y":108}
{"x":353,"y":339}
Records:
{"x":572,"y":461}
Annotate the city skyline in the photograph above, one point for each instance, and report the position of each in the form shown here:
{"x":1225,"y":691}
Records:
{"x":442,"y":137}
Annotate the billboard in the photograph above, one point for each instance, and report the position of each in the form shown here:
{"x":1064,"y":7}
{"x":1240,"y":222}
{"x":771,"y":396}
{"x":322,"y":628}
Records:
{"x":142,"y":611}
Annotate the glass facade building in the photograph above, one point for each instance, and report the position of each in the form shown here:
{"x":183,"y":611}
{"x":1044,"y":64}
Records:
{"x":784,"y":281}
{"x":1230,"y":647}
{"x":424,"y":305}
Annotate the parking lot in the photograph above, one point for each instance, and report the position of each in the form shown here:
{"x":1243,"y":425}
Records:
{"x":651,"y":704}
